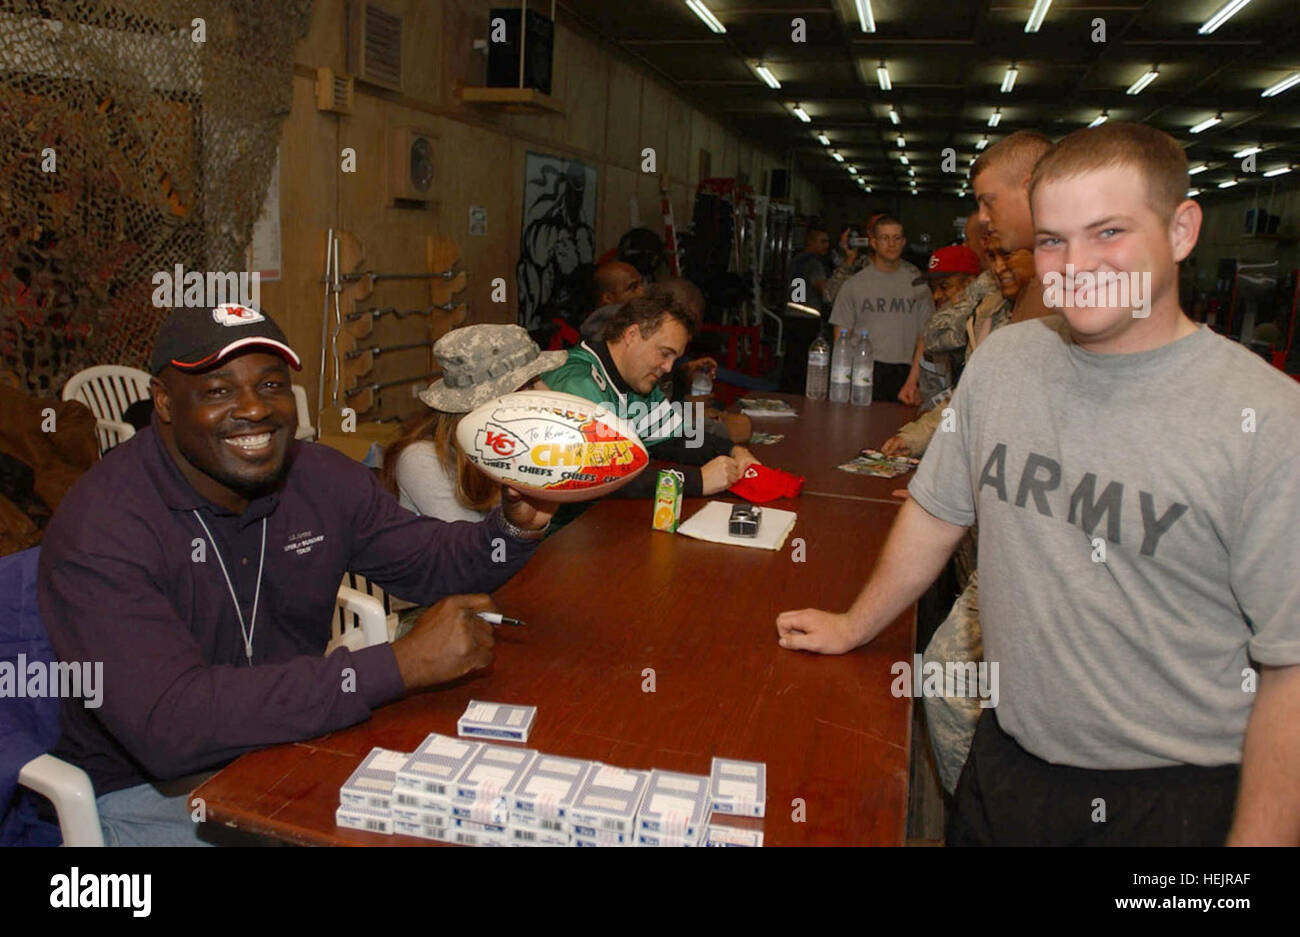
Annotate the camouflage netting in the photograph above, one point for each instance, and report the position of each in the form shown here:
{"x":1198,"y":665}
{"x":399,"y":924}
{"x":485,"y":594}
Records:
{"x":127,"y":147}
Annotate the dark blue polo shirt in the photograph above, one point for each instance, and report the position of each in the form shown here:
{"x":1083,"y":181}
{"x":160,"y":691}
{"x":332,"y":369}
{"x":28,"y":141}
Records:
{"x":121,"y":582}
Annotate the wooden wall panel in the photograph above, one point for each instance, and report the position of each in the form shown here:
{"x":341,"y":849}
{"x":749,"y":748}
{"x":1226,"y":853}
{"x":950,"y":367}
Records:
{"x":309,"y":170}
{"x":613,"y":109}
{"x":586,"y":96}
{"x":681,"y":157}
{"x":486,"y":180}
{"x":627,"y":127}
{"x":620,"y":188}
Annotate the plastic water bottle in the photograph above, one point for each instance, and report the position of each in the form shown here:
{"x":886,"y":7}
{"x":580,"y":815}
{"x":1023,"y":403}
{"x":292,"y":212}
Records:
{"x":819,"y":369}
{"x":841,"y":367}
{"x":863,"y":363}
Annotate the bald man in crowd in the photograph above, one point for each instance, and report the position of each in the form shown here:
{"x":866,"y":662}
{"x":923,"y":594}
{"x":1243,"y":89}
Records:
{"x":614,"y":284}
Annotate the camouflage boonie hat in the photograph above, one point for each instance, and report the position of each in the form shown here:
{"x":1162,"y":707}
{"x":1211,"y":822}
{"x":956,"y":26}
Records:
{"x":482,"y":362}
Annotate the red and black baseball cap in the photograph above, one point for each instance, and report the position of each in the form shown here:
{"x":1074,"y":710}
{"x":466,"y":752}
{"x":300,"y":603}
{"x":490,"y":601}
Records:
{"x":198,"y":339}
{"x":947,"y":261}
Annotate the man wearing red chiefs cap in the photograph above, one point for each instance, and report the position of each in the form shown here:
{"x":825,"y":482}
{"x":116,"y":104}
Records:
{"x":199,"y":562}
{"x":951,"y":270}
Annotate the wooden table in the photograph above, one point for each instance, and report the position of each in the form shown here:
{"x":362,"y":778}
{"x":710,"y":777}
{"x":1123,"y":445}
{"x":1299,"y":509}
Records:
{"x":825,"y":435}
{"x":606,"y":599}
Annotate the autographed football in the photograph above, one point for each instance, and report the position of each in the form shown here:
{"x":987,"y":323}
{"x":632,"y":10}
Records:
{"x":554,"y":446}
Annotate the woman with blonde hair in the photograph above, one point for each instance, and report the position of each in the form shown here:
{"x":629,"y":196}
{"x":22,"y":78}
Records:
{"x":424,"y":468}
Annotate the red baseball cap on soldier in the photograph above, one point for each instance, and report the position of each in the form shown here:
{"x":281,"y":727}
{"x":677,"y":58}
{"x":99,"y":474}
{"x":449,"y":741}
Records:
{"x":947,"y":261}
{"x":198,"y":339}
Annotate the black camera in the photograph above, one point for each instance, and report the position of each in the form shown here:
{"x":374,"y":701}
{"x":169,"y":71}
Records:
{"x":744,"y":520}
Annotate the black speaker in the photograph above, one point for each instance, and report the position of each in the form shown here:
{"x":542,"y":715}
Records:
{"x":503,"y":57}
{"x":779,"y":184}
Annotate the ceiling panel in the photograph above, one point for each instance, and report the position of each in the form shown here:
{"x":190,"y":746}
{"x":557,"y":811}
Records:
{"x":946,"y":62}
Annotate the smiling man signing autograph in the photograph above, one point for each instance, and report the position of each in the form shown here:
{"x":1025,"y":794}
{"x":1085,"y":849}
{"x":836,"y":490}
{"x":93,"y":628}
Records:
{"x":199,"y":561}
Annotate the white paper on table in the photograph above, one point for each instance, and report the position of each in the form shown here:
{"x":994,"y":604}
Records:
{"x":760,"y":412}
{"x":711,"y":522}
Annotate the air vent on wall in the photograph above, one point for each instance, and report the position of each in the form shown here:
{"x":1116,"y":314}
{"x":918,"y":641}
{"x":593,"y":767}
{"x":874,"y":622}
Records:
{"x":374,"y":45}
{"x":333,"y":92}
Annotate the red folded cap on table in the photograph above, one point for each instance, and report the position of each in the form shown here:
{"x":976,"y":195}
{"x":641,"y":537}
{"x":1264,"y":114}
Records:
{"x":761,"y":484}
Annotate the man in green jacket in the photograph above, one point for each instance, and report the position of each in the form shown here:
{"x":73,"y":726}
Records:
{"x":645,"y":336}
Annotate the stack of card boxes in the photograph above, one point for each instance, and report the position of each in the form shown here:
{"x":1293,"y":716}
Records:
{"x":366,"y":797}
{"x":480,"y":802}
{"x":738,"y":789}
{"x":540,"y":802}
{"x":675,"y":810}
{"x":604,"y":811}
{"x":424,"y":787}
{"x":496,"y":721}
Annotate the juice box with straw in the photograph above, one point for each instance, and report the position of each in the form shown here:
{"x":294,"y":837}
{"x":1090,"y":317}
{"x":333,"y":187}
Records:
{"x":668,"y":500}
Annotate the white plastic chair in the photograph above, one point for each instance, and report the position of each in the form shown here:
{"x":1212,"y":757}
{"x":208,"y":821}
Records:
{"x":108,"y":389}
{"x":305,"y":429}
{"x":69,"y":789}
{"x":361,"y":618}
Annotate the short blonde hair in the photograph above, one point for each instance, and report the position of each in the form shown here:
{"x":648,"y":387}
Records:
{"x":1153,"y":153}
{"x":1017,"y":154}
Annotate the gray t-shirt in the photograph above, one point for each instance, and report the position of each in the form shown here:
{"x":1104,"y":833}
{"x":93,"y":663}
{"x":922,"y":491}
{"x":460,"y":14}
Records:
{"x":1182,"y":461}
{"x":888,"y":306}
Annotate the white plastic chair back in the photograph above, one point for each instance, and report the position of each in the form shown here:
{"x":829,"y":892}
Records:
{"x":305,"y":429}
{"x":108,"y":389}
{"x":69,"y":789}
{"x":363,"y":615}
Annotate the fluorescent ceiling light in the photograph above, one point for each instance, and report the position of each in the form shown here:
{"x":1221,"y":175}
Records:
{"x":996,"y":117}
{"x":1009,"y":79}
{"x":802,"y":114}
{"x":1039,"y":13}
{"x":1225,"y":13}
{"x":823,"y":139}
{"x":902,"y":158}
{"x":1280,"y":171}
{"x":911,"y":172}
{"x":853,"y":170}
{"x":882,"y":76}
{"x":865,"y":19}
{"x":984,"y":141}
{"x":1207,"y":124}
{"x":1099,"y":120}
{"x":1195,"y":169}
{"x":765,"y":73}
{"x":704,"y":13}
{"x":1192,"y":193}
{"x":1228,"y":185}
{"x":1288,"y":82}
{"x":1137,"y":86}
{"x":893,"y":117}
{"x":902,"y":144}
{"x":1248,"y":151}
{"x":835,"y":155}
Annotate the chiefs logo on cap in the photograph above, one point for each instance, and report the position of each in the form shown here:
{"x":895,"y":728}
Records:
{"x":934,"y":260}
{"x":235,"y":314}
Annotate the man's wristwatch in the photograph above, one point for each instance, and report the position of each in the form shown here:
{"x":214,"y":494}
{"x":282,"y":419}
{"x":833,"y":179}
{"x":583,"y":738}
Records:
{"x":523,"y":533}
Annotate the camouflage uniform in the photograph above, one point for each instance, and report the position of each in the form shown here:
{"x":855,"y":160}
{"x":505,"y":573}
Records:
{"x":945,"y":333}
{"x":992,"y":306}
{"x":842,"y":274}
{"x":951,"y":720}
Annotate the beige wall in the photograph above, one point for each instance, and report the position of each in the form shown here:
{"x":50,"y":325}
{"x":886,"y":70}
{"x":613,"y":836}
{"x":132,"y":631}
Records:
{"x":1224,"y":224}
{"x":612,"y":110}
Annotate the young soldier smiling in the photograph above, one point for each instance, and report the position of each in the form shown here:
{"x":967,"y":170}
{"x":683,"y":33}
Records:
{"x":1135,"y":492}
